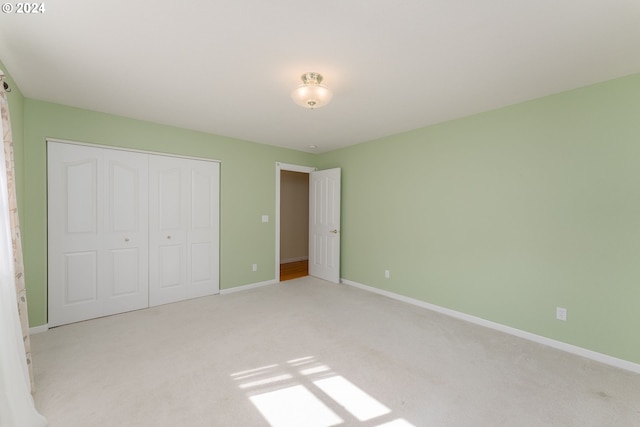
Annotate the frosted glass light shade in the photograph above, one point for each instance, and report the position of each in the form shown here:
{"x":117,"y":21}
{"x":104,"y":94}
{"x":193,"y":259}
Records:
{"x":311,"y":94}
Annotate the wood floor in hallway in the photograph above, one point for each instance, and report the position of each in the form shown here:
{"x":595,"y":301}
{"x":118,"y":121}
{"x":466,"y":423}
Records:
{"x":293,"y":270}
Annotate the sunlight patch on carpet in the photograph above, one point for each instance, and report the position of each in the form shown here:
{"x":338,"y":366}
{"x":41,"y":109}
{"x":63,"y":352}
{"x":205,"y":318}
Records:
{"x":307,"y":392}
{"x":277,"y":408}
{"x":357,"y":402}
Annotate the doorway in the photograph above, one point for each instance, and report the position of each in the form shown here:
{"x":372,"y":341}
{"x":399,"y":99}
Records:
{"x":323,"y":224}
{"x":292,"y":221}
{"x":294,"y":225}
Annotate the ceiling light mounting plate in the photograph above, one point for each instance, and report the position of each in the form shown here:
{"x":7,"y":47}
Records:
{"x":311,"y":78}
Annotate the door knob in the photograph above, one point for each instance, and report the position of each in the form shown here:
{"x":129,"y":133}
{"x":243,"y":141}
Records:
{"x":126,"y":239}
{"x":334,"y":231}
{"x":168,"y":237}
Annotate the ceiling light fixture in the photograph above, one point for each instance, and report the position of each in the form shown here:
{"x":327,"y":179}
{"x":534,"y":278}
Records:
{"x":311,"y":94}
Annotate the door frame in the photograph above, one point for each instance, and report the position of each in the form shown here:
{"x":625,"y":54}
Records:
{"x":279,"y":168}
{"x":133,"y":150}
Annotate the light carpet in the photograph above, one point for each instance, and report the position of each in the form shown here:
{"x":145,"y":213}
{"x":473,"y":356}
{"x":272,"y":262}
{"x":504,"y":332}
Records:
{"x":307,"y":353}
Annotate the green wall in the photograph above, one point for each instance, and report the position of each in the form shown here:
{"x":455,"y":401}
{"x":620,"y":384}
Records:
{"x":503,"y":215}
{"x":247,"y":188}
{"x":507,"y":214}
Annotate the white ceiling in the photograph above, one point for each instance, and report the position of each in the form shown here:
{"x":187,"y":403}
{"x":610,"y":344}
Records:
{"x":228,"y":67}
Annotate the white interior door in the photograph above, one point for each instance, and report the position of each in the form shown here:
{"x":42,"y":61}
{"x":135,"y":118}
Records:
{"x":324,"y":224}
{"x":97,"y":234}
{"x":184,"y":229}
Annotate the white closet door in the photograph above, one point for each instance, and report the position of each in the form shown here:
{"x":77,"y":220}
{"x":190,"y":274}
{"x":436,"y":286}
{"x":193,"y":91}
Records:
{"x":75,"y":209}
{"x":97,"y":238}
{"x":203,"y":235}
{"x":126,"y":245}
{"x":168,"y":198}
{"x":184,"y":230}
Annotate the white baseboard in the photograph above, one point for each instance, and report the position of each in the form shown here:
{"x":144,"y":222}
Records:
{"x":247,"y":287}
{"x":569,"y":348}
{"x":39,"y":329}
{"x":300,"y":258}
{"x":45,"y":327}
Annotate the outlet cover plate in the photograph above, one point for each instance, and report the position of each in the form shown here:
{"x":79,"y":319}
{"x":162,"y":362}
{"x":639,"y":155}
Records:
{"x":561,"y":313}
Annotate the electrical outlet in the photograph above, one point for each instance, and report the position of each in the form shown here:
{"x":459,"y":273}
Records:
{"x":561,"y":313}
{"x":255,"y":267}
{"x":387,"y":274}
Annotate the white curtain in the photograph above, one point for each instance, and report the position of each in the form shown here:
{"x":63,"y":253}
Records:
{"x":16,"y":403}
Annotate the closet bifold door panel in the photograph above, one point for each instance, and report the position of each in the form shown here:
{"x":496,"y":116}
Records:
{"x":183,"y":229}
{"x":97,"y":232}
